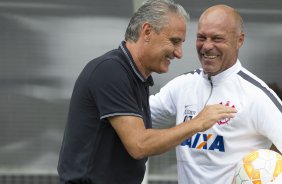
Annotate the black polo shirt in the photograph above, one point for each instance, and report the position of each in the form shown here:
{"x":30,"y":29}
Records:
{"x":92,"y":152}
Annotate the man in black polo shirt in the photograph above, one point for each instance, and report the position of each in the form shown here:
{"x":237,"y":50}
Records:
{"x":108,"y":136}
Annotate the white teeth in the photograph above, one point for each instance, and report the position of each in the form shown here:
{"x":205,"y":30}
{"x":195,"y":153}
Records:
{"x":209,"y":57}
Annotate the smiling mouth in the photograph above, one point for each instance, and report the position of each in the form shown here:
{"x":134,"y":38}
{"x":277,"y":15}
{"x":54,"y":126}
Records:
{"x":209,"y":56}
{"x":169,"y":58}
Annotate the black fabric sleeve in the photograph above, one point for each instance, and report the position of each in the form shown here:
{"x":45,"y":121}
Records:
{"x":112,"y":90}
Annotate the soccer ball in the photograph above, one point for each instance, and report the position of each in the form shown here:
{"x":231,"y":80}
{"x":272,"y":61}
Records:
{"x":258,"y":167}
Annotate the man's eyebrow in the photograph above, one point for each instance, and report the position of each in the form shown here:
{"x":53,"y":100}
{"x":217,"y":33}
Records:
{"x":176,"y":39}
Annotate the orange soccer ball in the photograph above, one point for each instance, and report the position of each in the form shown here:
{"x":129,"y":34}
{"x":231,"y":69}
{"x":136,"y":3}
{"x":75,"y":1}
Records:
{"x":258,"y":167}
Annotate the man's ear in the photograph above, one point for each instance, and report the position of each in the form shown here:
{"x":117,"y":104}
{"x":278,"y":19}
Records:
{"x":146,"y":31}
{"x":241,"y":40}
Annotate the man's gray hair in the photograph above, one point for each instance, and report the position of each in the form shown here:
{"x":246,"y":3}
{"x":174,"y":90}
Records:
{"x":156,"y":13}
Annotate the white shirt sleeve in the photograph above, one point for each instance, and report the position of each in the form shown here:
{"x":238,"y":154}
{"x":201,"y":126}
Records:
{"x":269,"y":119}
{"x":162,"y":105}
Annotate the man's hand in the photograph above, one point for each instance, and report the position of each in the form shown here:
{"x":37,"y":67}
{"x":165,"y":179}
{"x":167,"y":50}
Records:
{"x":212,"y":114}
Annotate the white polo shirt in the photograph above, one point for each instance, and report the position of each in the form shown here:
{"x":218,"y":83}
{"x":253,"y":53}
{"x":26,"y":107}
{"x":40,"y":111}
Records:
{"x":211,"y":156}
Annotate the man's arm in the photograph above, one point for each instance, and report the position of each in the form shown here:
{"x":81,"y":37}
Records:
{"x":141,"y":142}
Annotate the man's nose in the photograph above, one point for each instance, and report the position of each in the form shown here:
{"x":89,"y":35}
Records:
{"x":207,"y":45}
{"x":178,"y":52}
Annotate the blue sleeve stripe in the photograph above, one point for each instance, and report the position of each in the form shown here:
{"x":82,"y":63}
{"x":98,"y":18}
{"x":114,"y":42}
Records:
{"x":264,"y":89}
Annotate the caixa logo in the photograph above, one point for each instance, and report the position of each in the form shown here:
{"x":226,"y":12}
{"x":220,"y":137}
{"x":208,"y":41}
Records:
{"x":205,"y":142}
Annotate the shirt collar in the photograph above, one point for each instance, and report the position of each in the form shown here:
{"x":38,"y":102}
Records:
{"x":225,"y":74}
{"x":149,"y":81}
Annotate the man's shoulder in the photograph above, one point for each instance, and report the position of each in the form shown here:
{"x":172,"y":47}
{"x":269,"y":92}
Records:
{"x":112,"y":60}
{"x":256,"y":88}
{"x":191,"y":75}
{"x":195,"y":72}
{"x":184,"y":81}
{"x":251,"y":79}
{"x":111,"y":56}
{"x":104,"y":66}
